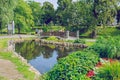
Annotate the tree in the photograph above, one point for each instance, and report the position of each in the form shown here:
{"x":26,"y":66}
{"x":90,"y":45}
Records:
{"x":23,"y":16}
{"x":6,"y":11}
{"x":80,"y":16}
{"x":36,"y":11}
{"x":104,"y":12}
{"x":63,"y":12}
{"x":48,"y":13}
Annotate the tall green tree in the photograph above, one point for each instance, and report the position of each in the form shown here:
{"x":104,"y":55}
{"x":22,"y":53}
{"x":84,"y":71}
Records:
{"x":23,"y":16}
{"x":80,"y":16}
{"x":63,"y":12}
{"x":36,"y":11}
{"x":6,"y":11}
{"x":48,"y":13}
{"x":104,"y":12}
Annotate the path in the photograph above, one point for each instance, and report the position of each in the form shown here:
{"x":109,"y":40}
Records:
{"x":16,"y":36}
{"x":8,"y":70}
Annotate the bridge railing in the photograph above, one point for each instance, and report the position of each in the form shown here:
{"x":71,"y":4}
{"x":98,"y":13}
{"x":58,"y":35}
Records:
{"x":61,"y":34}
{"x":65,"y":34}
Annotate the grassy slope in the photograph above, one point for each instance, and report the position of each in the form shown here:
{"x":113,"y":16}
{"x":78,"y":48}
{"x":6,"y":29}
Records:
{"x":108,"y":31}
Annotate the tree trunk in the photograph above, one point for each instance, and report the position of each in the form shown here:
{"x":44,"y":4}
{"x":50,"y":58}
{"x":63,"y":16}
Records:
{"x":18,"y":29}
{"x":94,"y":34}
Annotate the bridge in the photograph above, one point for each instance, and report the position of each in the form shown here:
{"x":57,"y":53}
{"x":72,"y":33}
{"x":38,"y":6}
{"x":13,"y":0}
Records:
{"x":60,"y":35}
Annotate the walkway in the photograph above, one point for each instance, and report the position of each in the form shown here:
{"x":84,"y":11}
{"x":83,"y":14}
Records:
{"x":16,"y":36}
{"x":8,"y":70}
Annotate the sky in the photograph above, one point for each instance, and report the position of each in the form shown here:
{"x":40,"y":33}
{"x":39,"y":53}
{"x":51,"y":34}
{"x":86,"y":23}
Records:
{"x":54,"y":2}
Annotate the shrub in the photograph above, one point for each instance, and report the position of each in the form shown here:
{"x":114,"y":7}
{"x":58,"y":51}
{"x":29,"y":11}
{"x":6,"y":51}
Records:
{"x":107,"y":47}
{"x":109,"y":72}
{"x":79,"y":41}
{"x":73,"y":67}
{"x":52,"y":38}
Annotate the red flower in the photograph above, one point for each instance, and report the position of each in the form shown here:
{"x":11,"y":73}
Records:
{"x":90,"y":74}
{"x":99,"y":64}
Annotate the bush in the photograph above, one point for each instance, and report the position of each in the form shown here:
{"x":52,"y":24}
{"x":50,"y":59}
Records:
{"x":109,"y":72}
{"x":79,"y":41}
{"x":73,"y":67}
{"x":107,"y":47}
{"x":52,"y":38}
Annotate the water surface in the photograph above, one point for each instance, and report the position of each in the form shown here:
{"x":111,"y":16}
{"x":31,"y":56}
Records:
{"x":41,"y":56}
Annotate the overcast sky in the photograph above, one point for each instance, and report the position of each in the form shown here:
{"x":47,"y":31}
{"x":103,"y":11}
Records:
{"x":54,"y":2}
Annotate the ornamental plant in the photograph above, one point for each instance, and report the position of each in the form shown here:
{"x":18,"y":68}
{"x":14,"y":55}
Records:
{"x":73,"y":67}
{"x":110,"y":71}
{"x":107,"y":47}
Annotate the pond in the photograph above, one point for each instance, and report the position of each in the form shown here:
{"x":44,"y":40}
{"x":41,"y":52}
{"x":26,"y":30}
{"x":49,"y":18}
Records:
{"x":42,"y":56}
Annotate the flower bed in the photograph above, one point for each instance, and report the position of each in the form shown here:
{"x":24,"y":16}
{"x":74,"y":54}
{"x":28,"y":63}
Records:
{"x":101,"y":63}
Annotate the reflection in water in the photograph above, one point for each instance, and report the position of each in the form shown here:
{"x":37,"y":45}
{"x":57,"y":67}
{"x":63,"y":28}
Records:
{"x":41,"y":56}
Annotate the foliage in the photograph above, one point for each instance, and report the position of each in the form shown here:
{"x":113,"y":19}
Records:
{"x":6,"y":11}
{"x":48,"y":13}
{"x":63,"y":12}
{"x":52,"y":28}
{"x":23,"y":16}
{"x":107,"y":47}
{"x":74,"y":67}
{"x":52,"y":38}
{"x":79,"y":41}
{"x":36,"y":11}
{"x":108,"y":72}
{"x":108,"y":31}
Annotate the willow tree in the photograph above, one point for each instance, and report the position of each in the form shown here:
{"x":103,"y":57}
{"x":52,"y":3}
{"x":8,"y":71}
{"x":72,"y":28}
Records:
{"x":6,"y":12}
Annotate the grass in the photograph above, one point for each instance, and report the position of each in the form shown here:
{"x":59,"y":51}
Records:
{"x":88,"y":43}
{"x":3,"y":43}
{"x":111,"y":31}
{"x":104,"y":31}
{"x":3,"y":78}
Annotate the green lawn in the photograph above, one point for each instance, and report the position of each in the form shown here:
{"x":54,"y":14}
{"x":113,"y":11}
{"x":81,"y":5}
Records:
{"x":3,"y":43}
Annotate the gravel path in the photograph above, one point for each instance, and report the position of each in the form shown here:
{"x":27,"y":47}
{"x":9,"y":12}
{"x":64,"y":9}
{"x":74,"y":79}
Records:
{"x":8,"y":70}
